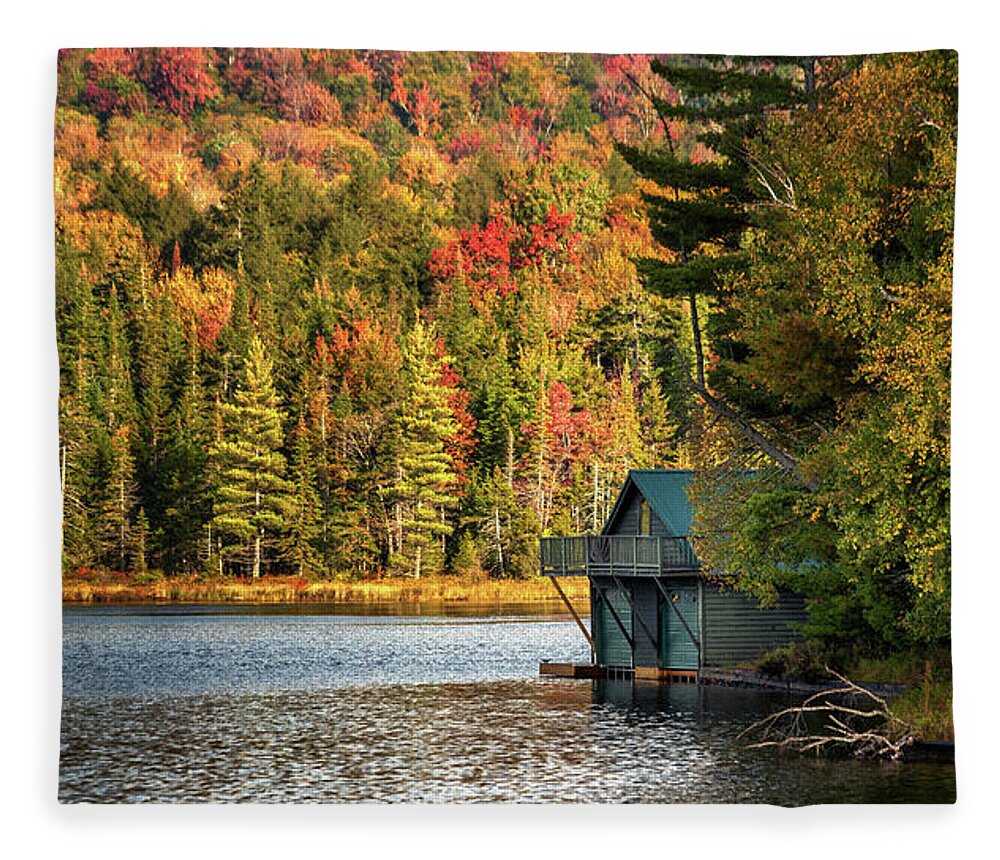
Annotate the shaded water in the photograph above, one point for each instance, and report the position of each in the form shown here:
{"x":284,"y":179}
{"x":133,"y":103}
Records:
{"x":216,"y":705}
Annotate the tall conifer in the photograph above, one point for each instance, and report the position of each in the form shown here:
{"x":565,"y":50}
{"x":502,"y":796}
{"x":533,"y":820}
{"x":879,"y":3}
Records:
{"x":425,"y":477}
{"x":706,"y":201}
{"x":253,"y":497}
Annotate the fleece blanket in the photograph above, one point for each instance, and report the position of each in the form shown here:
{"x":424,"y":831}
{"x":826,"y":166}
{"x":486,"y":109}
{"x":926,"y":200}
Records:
{"x":504,"y":427}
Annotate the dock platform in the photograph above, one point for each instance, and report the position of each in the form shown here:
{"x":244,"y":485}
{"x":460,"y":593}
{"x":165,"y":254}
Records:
{"x":571,"y":670}
{"x":589,"y":670}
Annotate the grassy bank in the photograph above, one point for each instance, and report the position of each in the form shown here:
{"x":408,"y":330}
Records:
{"x":926,"y":703}
{"x":112,"y":588}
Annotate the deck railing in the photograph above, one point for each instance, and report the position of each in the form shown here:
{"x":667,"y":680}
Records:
{"x":620,"y":555}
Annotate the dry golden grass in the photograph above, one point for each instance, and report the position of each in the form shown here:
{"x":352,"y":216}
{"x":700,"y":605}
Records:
{"x":289,"y":589}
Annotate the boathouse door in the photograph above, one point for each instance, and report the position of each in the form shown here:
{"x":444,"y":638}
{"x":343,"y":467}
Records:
{"x":613,"y":647}
{"x":679,"y":650}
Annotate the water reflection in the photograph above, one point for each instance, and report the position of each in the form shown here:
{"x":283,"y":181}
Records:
{"x":313,"y":729}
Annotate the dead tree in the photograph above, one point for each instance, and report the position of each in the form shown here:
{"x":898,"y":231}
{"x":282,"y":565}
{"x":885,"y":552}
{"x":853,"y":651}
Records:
{"x":847,"y":718}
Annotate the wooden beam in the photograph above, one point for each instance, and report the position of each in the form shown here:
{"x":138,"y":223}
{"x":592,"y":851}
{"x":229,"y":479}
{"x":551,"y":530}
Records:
{"x":677,"y":612}
{"x":576,"y":618}
{"x":638,"y":616}
{"x":618,"y":621}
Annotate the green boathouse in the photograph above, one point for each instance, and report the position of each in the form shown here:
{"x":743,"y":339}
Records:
{"x":654,"y":612}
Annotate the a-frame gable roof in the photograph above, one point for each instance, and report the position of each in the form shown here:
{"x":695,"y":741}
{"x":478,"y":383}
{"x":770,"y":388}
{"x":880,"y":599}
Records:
{"x":666,"y":492}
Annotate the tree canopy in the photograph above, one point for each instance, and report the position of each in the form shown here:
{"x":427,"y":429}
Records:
{"x":343,"y":313}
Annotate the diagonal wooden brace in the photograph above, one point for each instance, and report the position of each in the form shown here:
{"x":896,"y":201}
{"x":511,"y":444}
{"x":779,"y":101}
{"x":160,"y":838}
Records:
{"x":577,"y":619}
{"x":614,"y":614}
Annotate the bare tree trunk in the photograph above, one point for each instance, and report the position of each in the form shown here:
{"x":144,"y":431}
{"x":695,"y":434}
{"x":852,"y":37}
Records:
{"x":809,"y":68}
{"x":699,"y":356}
{"x":596,"y":500}
{"x":496,"y":523}
{"x":256,"y":543}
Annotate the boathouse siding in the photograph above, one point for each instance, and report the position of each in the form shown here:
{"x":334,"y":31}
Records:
{"x":738,"y":630}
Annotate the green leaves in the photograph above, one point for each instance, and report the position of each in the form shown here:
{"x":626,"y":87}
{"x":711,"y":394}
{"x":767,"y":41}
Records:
{"x":845,"y":316}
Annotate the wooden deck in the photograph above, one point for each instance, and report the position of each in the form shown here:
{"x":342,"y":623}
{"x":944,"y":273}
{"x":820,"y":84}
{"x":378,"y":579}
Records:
{"x":666,"y":676}
{"x":617,"y":555}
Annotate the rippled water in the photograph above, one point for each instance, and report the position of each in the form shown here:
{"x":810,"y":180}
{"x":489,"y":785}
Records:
{"x":208,"y":705}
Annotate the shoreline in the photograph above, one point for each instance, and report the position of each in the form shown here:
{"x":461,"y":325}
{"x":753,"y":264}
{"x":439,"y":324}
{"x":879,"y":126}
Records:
{"x":442,"y":590}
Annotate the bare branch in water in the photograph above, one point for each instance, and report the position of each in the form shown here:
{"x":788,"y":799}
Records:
{"x":860,"y":723}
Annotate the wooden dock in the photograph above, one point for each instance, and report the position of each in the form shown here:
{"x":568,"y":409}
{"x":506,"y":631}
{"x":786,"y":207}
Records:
{"x":666,"y":676}
{"x":571,"y":670}
{"x":589,"y":670}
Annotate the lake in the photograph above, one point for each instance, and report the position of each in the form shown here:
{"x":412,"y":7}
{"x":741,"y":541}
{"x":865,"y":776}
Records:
{"x":321,"y":704}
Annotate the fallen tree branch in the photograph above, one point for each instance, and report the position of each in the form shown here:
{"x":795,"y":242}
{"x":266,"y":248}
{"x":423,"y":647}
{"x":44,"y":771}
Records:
{"x":865,"y":729}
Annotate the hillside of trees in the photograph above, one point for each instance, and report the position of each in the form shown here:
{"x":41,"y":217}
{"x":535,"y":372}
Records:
{"x":355,"y":313}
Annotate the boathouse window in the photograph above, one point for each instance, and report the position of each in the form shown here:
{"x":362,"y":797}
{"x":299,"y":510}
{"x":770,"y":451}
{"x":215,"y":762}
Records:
{"x":645,"y":521}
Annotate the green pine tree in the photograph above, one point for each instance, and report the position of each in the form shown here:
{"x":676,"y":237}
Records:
{"x":424,"y":489}
{"x":116,"y":487}
{"x":253,"y":498}
{"x":305,"y":512}
{"x":183,"y":486}
{"x":707,"y":203}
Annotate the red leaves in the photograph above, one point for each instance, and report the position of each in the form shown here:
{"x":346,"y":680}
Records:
{"x":622,"y":99}
{"x":488,"y":257}
{"x":568,"y":427}
{"x":288,"y":89}
{"x":179,"y":78}
{"x":552,"y":238}
{"x":461,"y":444}
{"x":486,"y":70}
{"x":421,"y":107}
{"x":112,"y":87}
{"x":485,"y":257}
{"x":463,"y":145}
{"x":398,"y":94}
{"x":558,"y":440}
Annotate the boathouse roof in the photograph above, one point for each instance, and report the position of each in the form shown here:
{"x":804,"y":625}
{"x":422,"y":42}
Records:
{"x":666,"y":492}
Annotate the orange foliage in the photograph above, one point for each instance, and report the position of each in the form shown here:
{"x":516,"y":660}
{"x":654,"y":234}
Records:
{"x":205,"y":301}
{"x":76,"y":138}
{"x":162,"y":156}
{"x":327,"y":150}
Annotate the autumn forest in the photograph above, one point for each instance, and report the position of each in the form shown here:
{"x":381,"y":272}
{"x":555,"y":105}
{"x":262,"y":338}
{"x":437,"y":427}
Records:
{"x":347,"y":314}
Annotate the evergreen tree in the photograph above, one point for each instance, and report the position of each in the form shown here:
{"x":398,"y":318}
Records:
{"x":184,"y":505}
{"x":115,"y":473}
{"x":304,"y":517}
{"x":704,"y":206}
{"x":618,"y":446}
{"x":117,"y":489}
{"x":253,"y":498}
{"x":424,"y":488}
{"x":76,"y":459}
